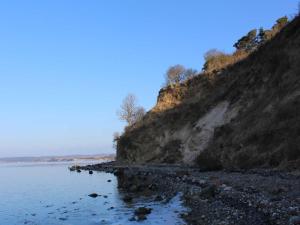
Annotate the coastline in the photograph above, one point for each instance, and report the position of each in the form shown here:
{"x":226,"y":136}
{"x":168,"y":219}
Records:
{"x":260,"y":197}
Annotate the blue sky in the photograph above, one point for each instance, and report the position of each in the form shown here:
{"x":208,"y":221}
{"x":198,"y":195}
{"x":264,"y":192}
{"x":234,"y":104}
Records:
{"x":66,"y":65}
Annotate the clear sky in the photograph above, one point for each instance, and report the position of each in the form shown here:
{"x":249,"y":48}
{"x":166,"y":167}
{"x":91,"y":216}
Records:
{"x":65,"y":65}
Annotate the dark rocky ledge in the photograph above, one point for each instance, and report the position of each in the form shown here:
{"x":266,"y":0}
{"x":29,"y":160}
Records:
{"x":260,"y":197}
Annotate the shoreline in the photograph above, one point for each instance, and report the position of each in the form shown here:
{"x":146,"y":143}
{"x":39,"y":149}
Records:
{"x":260,"y":197}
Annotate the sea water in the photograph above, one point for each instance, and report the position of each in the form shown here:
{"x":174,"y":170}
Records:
{"x":49,"y":194}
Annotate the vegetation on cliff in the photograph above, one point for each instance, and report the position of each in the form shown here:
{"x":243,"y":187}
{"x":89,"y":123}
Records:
{"x":242,"y":111}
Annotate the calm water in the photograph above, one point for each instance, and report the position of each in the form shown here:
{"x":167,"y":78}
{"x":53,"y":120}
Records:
{"x":51,"y":195}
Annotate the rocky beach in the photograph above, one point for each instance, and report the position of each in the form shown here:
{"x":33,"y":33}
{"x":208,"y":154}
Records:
{"x":150,"y":113}
{"x":260,"y":197}
{"x":227,"y":139}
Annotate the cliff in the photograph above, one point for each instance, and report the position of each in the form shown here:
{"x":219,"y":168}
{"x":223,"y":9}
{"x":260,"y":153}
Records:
{"x":244,"y":116}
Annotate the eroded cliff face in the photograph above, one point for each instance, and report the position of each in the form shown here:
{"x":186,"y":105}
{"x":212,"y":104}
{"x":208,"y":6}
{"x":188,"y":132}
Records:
{"x":246,"y":116}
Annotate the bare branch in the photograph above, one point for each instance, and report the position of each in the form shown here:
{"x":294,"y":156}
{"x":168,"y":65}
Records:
{"x":129,"y":111}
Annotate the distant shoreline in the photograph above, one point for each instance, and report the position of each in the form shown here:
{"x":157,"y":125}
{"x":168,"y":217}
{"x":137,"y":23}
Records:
{"x":68,"y":158}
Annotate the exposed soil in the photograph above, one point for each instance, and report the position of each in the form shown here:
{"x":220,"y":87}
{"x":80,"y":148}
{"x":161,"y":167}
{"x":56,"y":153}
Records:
{"x":245,"y":116}
{"x":253,"y":197}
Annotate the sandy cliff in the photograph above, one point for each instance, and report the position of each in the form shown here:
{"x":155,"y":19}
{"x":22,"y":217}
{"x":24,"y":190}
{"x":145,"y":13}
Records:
{"x":245,"y":116}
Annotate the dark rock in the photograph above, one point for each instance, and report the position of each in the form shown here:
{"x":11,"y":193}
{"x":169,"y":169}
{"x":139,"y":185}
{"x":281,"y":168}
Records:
{"x":78,"y":171}
{"x":118,"y":172}
{"x":158,"y":198}
{"x":127,"y":199}
{"x":63,"y":219}
{"x":142,"y":211}
{"x":209,"y":192}
{"x":132,"y":219}
{"x":152,"y":186}
{"x":90,"y":172}
{"x":295,"y":220}
{"x":93,"y":195}
{"x":73,"y":168}
{"x":108,"y":181}
{"x":133,"y":188}
{"x":141,"y":217}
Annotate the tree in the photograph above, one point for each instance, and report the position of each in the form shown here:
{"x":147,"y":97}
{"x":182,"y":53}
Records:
{"x":265,"y":35}
{"x":130,"y":112}
{"x":140,"y":112}
{"x":178,"y":73}
{"x":189,"y":73}
{"x":175,"y":74}
{"x":247,"y":43}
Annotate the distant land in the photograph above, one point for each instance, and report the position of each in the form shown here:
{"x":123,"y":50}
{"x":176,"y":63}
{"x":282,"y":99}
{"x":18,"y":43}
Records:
{"x":67,"y":158}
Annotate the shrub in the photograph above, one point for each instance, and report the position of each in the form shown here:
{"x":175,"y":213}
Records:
{"x":265,"y":35}
{"x":216,"y":60}
{"x":212,"y":54}
{"x":280,"y":23}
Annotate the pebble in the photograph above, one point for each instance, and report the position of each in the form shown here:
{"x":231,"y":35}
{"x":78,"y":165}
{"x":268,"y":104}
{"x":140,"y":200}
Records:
{"x":93,"y":195}
{"x":295,"y":220}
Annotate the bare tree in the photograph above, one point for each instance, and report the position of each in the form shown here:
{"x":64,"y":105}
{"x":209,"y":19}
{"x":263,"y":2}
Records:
{"x":139,"y":114}
{"x":130,"y":112}
{"x":189,"y":73}
{"x":175,"y":74}
{"x":127,"y":110}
